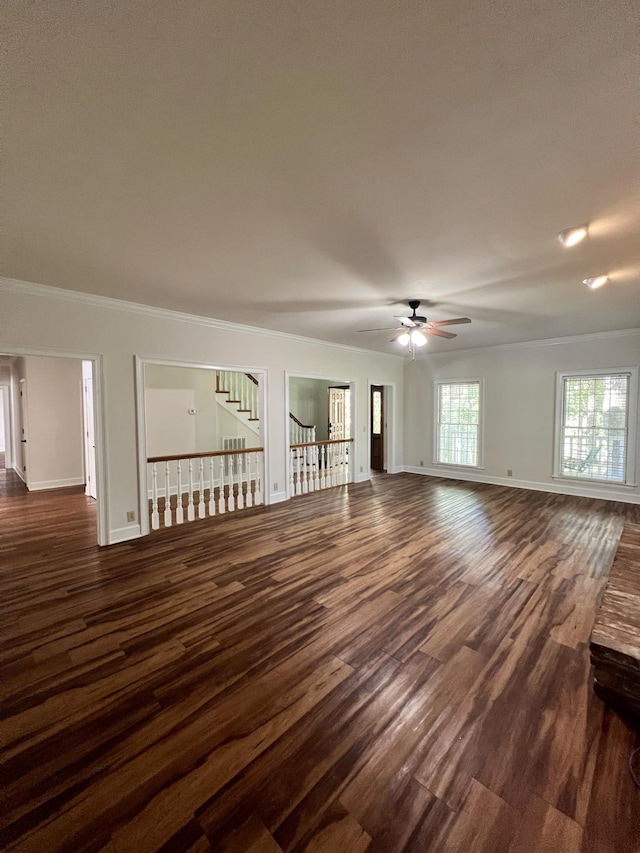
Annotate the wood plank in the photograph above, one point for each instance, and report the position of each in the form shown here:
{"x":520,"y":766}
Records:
{"x":309,"y":677}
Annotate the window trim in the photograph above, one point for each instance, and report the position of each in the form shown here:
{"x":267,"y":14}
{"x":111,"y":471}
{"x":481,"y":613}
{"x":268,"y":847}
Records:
{"x":632,"y":425}
{"x":479,"y":466}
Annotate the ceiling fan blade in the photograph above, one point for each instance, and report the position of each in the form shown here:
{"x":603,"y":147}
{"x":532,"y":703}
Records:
{"x":439,"y":333}
{"x":407,"y":321}
{"x":383,"y":329}
{"x":450,"y":322}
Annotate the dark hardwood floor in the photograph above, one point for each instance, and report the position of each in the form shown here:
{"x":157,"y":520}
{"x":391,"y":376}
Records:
{"x":397,"y":666}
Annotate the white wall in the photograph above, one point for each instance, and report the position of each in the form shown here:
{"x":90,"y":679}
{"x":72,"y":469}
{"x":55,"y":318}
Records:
{"x":309,"y":402}
{"x":54,"y":430}
{"x":170,"y":392}
{"x":37,"y":317}
{"x":519,"y":400}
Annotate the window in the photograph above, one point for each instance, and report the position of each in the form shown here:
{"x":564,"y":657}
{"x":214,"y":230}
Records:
{"x":595,"y":425}
{"x":458,"y":423}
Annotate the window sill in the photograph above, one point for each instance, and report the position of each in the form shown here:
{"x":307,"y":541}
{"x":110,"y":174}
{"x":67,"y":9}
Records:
{"x":611,"y":483}
{"x":452,"y":465}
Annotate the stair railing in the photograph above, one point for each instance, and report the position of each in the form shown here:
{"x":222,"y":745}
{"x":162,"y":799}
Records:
{"x":300,"y":433}
{"x":203,"y":484}
{"x":316,"y":465}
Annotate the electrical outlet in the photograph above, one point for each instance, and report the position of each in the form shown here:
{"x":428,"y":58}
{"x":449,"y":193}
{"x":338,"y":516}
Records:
{"x":131,"y":515}
{"x":275,"y":487}
{"x":361,"y":469}
{"x":422,"y":463}
{"x":509,"y":472}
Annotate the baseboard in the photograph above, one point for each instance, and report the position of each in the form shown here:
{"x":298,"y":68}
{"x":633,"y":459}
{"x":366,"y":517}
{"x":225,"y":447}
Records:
{"x":277,"y":497}
{"x":604,"y":494}
{"x":19,"y":473}
{"x":363,"y":477}
{"x":124,"y":534}
{"x":43,"y":485}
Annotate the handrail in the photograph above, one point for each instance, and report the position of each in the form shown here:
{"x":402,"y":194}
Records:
{"x":318,"y":443}
{"x":300,"y":424}
{"x":204,"y":453}
{"x":252,"y":378}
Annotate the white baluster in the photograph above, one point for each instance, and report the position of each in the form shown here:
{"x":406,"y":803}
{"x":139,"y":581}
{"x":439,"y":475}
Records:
{"x":316,"y":468}
{"x":231,"y":503}
{"x":167,"y":495}
{"x":179,"y":510}
{"x":332,"y":464}
{"x":155,"y":515}
{"x":312,"y":468}
{"x":254,"y":400}
{"x":249,"y":496}
{"x":202,"y":513}
{"x":212,"y":502}
{"x":245,"y":391}
{"x":298,"y":452}
{"x":257,"y":495}
{"x":347,"y":466}
{"x":190,"y":508}
{"x":221,"y":506}
{"x":305,"y":471}
{"x":240,"y":494}
{"x":323,"y":466}
{"x":292,"y":463}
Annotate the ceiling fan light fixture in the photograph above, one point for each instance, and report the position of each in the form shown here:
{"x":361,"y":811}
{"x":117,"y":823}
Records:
{"x":404,"y":339}
{"x":418,"y":338}
{"x":572,"y":236}
{"x":596,"y":282}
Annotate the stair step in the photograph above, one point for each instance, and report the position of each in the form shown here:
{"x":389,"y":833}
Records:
{"x":253,"y":419}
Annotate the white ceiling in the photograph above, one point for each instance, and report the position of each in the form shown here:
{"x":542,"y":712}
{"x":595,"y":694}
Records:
{"x":306,"y":166}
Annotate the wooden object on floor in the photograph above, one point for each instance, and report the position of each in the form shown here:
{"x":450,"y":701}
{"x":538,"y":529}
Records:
{"x":615,"y":641}
{"x":400,"y":665}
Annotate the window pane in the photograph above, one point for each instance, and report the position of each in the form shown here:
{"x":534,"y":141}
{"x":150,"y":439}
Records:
{"x":458,"y":423}
{"x":594,"y":427}
{"x":377,"y":413}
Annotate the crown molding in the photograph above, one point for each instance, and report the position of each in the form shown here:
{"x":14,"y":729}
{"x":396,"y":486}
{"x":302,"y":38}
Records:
{"x":543,"y":342}
{"x":77,"y":296}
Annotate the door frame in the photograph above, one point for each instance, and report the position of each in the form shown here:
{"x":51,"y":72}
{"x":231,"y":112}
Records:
{"x":102,"y":491}
{"x":383,"y":427}
{"x":334,"y":380}
{"x":141,"y":423}
{"x":8,"y":421}
{"x":389,"y":404}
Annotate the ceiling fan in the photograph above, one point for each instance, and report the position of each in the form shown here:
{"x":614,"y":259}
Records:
{"x":413,"y":330}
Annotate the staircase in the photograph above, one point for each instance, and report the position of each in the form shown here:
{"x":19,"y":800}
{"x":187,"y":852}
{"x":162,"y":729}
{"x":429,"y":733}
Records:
{"x":239,"y":395}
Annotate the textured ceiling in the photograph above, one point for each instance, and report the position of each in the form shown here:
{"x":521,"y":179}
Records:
{"x":308,"y":166}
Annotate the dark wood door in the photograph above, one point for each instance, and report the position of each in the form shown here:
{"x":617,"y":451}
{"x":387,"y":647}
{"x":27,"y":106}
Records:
{"x":377,"y":428}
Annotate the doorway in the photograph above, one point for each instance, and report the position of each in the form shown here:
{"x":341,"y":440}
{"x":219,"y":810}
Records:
{"x":377,"y":428}
{"x":89,"y":432}
{"x":339,"y":411}
{"x":48,"y":410}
